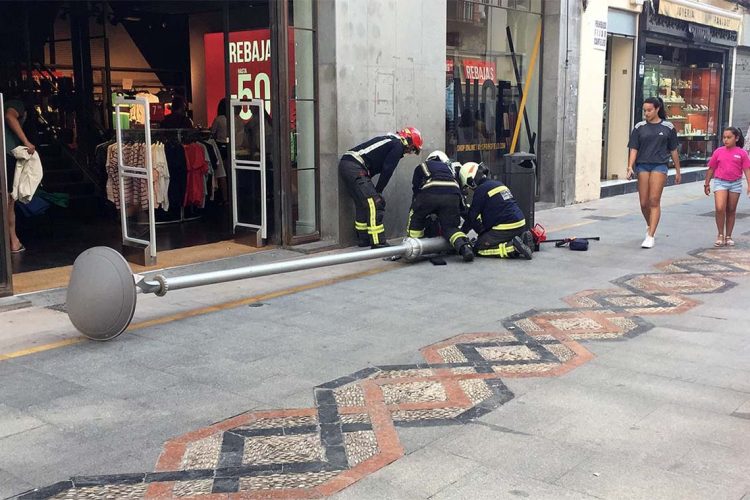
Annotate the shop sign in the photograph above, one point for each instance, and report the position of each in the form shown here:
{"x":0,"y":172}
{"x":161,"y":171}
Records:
{"x":600,"y":34}
{"x":696,"y":15}
{"x":249,"y":67}
{"x":476,"y":69}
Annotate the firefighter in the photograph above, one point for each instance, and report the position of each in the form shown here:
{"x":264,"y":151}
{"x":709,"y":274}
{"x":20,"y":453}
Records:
{"x":378,"y":156}
{"x":494,"y":215}
{"x":436,"y":191}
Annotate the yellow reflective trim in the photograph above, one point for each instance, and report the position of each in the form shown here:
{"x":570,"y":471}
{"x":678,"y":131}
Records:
{"x":425,"y":169}
{"x":511,"y":225}
{"x":413,"y":233}
{"x":494,"y":191}
{"x":456,"y":236}
{"x":373,"y":222}
{"x":360,"y":226}
{"x":504,"y":251}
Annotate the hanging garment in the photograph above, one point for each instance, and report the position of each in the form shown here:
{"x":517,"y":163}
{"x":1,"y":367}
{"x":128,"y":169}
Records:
{"x":28,"y":174}
{"x":177,"y":166}
{"x":196,"y":169}
{"x":161,"y":176}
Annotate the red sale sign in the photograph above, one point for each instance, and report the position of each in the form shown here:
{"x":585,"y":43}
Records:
{"x":476,"y":69}
{"x":249,"y":67}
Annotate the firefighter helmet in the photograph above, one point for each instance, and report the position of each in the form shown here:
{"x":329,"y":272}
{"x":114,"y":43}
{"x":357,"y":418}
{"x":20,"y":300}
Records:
{"x":412,"y":137}
{"x":471,"y":174}
{"x":439,"y":156}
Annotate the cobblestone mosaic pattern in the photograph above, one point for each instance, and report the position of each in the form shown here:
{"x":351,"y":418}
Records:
{"x":352,"y":430}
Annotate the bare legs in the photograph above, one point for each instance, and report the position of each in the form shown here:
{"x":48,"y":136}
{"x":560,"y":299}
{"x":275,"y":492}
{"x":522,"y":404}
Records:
{"x":726,"y":211}
{"x":650,"y":187}
{"x":15,"y":243}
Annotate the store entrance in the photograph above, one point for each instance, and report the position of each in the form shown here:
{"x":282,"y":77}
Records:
{"x":689,"y":80}
{"x":66,"y":79}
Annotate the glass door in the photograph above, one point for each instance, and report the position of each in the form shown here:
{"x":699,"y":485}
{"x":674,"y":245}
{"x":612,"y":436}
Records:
{"x":6,"y":279}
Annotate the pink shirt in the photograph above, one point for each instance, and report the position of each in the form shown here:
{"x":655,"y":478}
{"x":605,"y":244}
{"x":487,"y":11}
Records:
{"x":729,"y":163}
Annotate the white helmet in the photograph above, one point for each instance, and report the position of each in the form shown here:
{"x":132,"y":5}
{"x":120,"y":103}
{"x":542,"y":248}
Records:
{"x":438,"y":155}
{"x":470,"y":173}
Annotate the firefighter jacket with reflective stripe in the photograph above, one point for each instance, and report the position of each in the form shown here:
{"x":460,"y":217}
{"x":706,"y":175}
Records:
{"x":435,"y":177}
{"x":493,"y":207}
{"x":379,"y":155}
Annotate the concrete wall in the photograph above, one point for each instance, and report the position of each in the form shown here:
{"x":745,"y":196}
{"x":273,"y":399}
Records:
{"x":381,"y":67}
{"x":559,"y":101}
{"x":590,"y":109}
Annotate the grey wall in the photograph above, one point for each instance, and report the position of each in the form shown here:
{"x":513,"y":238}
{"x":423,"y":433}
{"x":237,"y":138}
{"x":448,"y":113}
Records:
{"x":381,"y":67}
{"x":560,"y":63}
{"x":741,"y":95}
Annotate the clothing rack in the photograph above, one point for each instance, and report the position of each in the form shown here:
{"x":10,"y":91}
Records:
{"x":180,"y":134}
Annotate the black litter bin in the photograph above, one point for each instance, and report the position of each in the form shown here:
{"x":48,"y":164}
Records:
{"x":518,"y":172}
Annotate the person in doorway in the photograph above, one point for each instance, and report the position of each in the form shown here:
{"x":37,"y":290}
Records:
{"x":220,"y":134}
{"x":15,"y":114}
{"x":495,"y":216}
{"x":378,"y":156}
{"x":178,"y":118}
{"x":436,"y":192}
{"x":652,"y":142}
{"x":726,"y":166}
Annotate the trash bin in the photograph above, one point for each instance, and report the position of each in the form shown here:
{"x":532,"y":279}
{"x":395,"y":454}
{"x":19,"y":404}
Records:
{"x":518,"y":172}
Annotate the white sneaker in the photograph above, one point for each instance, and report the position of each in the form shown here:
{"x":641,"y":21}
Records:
{"x":648,"y":242}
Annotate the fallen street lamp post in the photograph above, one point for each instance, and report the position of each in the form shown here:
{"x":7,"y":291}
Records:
{"x":102,"y":292}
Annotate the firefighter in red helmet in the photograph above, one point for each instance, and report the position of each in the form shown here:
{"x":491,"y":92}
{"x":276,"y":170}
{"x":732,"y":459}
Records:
{"x":378,"y":156}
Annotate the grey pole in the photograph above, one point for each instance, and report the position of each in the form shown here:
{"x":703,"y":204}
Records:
{"x":101,"y":295}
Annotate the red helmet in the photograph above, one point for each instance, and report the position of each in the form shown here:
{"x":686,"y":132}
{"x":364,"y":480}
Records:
{"x":412,"y":136}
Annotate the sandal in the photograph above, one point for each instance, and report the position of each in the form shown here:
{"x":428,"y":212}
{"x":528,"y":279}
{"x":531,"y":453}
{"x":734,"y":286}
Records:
{"x":20,"y":249}
{"x":719,"y":241}
{"x":729,"y":241}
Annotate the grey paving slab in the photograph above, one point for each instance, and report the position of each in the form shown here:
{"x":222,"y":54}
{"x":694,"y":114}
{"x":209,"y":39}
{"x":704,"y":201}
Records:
{"x":18,"y":381}
{"x":375,"y":488}
{"x":663,"y":389}
{"x":13,"y":421}
{"x":10,"y":484}
{"x":513,"y":453}
{"x":701,"y":425}
{"x":427,"y":471}
{"x":611,"y":476}
{"x":489,"y":483}
{"x":714,"y":463}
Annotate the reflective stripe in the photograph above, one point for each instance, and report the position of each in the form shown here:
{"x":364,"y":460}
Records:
{"x":360,"y":226}
{"x":373,"y":222}
{"x":425,"y":169}
{"x":504,"y":250}
{"x":456,"y":235}
{"x":440,"y":183}
{"x":511,"y":225}
{"x":413,"y":233}
{"x":494,"y":191}
{"x":376,"y":229}
{"x":408,"y":220}
{"x":357,"y":155}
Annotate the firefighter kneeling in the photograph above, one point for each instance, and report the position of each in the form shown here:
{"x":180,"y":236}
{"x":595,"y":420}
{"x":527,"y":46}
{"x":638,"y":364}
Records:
{"x":437,"y":192}
{"x":495,"y":216}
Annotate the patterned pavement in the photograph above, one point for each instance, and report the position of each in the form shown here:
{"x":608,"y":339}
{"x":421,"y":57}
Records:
{"x":353,"y":429}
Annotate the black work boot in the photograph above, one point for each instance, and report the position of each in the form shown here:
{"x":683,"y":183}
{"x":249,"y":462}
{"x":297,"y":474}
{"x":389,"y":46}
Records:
{"x":381,"y":244}
{"x":522,"y":249}
{"x":466,"y":252}
{"x":363,"y":239}
{"x":528,"y":239}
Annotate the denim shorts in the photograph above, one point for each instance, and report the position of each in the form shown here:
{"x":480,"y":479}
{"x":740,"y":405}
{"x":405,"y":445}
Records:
{"x":731,"y":186}
{"x":651,"y":167}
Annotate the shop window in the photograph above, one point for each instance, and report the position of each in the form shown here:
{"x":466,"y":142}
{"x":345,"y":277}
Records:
{"x":481,"y":87}
{"x":302,"y":110}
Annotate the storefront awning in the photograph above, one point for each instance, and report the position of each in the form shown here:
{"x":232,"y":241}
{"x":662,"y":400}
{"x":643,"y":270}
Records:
{"x":708,"y":15}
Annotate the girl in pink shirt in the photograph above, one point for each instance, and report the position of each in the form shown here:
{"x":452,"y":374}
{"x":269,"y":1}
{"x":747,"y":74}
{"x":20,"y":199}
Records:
{"x":726,"y":166}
